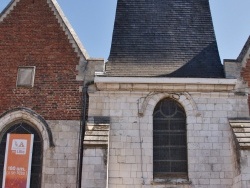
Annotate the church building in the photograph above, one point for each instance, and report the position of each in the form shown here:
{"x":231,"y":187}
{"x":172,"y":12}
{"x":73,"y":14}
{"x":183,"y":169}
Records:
{"x":162,"y":112}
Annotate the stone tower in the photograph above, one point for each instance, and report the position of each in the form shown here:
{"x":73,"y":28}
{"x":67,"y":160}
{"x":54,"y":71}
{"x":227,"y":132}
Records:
{"x":170,"y":107}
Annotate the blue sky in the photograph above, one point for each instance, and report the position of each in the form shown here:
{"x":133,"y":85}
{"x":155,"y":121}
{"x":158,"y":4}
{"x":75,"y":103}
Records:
{"x":93,"y":22}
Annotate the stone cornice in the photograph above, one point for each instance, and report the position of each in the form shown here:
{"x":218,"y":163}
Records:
{"x":165,"y":84}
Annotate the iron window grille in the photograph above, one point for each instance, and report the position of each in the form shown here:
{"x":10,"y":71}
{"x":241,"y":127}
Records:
{"x":169,"y":140}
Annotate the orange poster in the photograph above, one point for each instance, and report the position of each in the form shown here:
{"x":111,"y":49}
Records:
{"x":17,"y":164}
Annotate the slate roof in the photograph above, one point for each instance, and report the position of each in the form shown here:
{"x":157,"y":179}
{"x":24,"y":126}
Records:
{"x":172,"y":38}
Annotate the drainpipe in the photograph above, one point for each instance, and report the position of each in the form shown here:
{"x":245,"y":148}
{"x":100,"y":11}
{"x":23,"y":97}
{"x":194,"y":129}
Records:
{"x":82,"y":132}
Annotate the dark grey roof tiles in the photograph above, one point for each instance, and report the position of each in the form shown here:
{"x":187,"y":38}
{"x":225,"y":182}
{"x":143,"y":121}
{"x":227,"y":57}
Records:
{"x":172,"y":38}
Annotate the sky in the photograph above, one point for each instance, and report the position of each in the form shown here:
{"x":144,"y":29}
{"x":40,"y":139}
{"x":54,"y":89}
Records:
{"x":93,"y":22}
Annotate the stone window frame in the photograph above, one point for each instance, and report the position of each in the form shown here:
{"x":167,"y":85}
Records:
{"x":37,"y":121}
{"x":30,"y":83}
{"x":146,"y":108}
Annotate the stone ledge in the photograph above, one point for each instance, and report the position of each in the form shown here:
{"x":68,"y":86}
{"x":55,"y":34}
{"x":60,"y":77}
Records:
{"x":97,"y":131}
{"x":241,"y":130}
{"x":161,"y":80}
{"x":93,"y":144}
{"x":164,"y":87}
{"x":164,"y":84}
{"x":174,"y":181}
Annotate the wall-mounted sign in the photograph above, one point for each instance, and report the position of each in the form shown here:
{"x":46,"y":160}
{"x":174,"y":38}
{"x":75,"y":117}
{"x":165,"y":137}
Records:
{"x":17,"y":164}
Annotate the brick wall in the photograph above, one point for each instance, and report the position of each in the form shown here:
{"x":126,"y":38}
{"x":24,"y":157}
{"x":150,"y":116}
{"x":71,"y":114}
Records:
{"x":31,"y":36}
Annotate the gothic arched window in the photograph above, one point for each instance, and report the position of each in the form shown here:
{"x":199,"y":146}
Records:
{"x":37,"y":156}
{"x":169,"y":140}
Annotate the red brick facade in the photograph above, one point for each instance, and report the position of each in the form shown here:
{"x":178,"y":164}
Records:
{"x":31,"y":36}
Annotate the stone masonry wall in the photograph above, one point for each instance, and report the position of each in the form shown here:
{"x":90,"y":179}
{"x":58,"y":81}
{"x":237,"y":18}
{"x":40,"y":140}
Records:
{"x":245,"y":169}
{"x":236,"y":164}
{"x":242,"y":180}
{"x":209,"y":136}
{"x":94,"y":168}
{"x":30,"y":35}
{"x":60,"y":162}
{"x":245,"y":73}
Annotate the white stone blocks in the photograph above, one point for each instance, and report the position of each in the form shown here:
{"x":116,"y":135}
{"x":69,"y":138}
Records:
{"x":60,"y":162}
{"x":209,"y":136}
{"x":94,"y":172}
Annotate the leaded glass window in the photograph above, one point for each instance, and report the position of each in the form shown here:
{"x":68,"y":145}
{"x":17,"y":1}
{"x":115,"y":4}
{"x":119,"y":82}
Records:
{"x":169,"y":140}
{"x":37,"y":156}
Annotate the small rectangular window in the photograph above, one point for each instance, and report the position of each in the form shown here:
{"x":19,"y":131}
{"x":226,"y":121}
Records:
{"x":26,"y":76}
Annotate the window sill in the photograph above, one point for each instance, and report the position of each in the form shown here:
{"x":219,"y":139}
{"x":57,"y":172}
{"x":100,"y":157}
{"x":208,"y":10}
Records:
{"x":172,"y":181}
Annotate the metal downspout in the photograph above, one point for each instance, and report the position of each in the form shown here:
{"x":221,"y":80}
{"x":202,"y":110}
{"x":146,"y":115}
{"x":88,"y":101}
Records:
{"x":82,"y":132}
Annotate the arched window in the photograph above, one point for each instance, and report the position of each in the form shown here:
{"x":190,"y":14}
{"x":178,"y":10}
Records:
{"x":37,"y":156}
{"x":169,"y":140}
